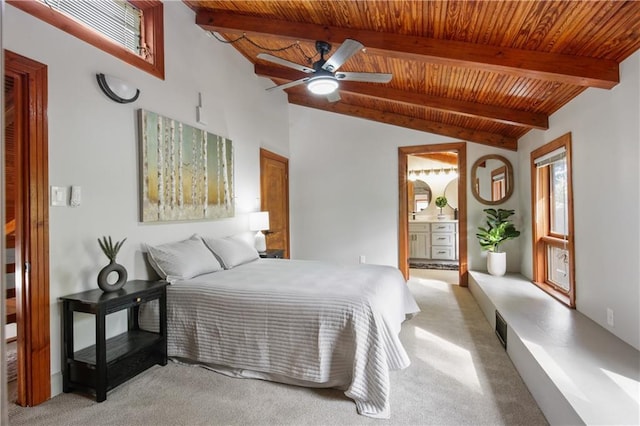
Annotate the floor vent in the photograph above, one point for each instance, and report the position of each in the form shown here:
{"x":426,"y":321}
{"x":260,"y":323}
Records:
{"x":501,"y":329}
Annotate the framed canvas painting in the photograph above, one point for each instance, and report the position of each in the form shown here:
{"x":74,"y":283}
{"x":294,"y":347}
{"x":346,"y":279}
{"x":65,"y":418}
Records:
{"x":186,"y":172}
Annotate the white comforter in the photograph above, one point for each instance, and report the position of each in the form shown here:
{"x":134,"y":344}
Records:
{"x":298,"y":322}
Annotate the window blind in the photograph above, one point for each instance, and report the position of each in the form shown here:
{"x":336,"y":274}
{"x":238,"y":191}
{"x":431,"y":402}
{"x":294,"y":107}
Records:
{"x":551,"y":157}
{"x":115,"y":19}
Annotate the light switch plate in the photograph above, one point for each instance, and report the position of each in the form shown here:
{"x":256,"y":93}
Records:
{"x":58,"y":196}
{"x":76,"y":196}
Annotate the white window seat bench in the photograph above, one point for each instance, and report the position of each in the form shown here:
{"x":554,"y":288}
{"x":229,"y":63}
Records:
{"x":577,"y":371}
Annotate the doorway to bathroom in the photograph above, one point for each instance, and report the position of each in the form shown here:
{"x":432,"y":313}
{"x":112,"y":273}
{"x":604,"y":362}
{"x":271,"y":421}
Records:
{"x":433,"y":234}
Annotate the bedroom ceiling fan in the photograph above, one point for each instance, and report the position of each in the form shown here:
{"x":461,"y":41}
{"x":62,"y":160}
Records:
{"x":325,"y":76}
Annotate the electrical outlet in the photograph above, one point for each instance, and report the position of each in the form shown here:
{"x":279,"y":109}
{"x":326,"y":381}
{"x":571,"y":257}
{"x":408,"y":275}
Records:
{"x":610,"y":316}
{"x":363,"y":259}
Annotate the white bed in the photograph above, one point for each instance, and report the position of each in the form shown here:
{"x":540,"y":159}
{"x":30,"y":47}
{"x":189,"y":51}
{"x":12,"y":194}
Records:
{"x":299,"y":322}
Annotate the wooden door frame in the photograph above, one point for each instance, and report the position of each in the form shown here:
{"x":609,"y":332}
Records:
{"x":32,"y":250}
{"x":403,"y":222}
{"x":264,"y":154}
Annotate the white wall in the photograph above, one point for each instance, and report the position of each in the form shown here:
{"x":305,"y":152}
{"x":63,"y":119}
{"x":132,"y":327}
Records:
{"x":344,"y":188}
{"x":93,"y":143}
{"x":476,"y":217}
{"x":344,"y":194}
{"x":605,"y":130}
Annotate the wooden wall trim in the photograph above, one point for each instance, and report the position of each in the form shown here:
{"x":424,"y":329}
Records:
{"x":32,"y":292}
{"x":541,"y":223}
{"x":153,"y":32}
{"x":403,"y":222}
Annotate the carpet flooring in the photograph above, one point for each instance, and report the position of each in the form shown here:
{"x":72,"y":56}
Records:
{"x":459,"y":375}
{"x":12,"y":360}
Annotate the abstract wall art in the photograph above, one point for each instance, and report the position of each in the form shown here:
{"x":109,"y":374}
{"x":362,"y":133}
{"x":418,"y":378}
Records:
{"x":186,"y":173}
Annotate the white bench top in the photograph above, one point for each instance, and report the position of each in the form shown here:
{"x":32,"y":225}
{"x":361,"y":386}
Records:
{"x":598,"y":373}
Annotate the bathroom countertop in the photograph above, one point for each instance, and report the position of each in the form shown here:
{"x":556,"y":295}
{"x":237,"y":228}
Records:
{"x":433,"y":220}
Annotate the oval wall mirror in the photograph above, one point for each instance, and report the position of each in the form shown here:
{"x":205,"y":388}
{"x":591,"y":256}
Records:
{"x":492,"y":179}
{"x":451,"y":192}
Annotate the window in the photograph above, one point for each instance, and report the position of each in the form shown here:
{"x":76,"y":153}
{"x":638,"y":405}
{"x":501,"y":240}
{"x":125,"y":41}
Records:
{"x":130,"y":30}
{"x":118,"y":20}
{"x":553,"y":248}
{"x":498,"y":183}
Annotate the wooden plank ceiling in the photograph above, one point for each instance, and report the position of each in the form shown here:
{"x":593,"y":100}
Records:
{"x":481,"y":71}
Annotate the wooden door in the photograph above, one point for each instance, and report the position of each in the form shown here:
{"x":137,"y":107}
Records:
{"x":274,"y":198}
{"x":31,"y":205}
{"x":11,"y":104}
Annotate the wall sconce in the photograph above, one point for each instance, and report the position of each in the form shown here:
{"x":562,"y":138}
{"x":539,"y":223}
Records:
{"x":259,"y":221}
{"x":116,"y":89}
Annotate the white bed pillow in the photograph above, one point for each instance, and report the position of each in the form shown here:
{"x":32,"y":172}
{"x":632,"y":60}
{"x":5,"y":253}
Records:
{"x":183,"y":259}
{"x":231,"y":251}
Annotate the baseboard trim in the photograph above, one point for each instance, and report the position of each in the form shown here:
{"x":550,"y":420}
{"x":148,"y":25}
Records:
{"x":56,"y":384}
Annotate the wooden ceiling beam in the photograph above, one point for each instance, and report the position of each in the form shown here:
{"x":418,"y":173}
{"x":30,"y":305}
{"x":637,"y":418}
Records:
{"x":486,"y":138}
{"x":443,"y":157}
{"x":508,"y":116}
{"x":574,"y":70}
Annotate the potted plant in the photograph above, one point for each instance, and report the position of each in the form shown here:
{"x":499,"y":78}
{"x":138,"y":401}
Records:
{"x":111,"y":251}
{"x":498,"y":230}
{"x":441,"y":202}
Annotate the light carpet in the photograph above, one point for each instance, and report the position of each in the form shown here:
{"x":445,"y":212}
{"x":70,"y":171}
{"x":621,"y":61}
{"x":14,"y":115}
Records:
{"x":459,"y":375}
{"x":12,"y":360}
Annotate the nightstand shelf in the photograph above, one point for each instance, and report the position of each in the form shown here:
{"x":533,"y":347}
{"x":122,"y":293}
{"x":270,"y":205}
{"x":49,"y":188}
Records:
{"x":111,"y":362}
{"x":120,"y":346}
{"x":272,"y":254}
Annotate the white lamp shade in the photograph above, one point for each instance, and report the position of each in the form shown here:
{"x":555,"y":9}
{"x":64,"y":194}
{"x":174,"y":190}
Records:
{"x":259,"y":221}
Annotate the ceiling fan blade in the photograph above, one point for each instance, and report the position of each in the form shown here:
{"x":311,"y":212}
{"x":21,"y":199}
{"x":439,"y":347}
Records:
{"x":333,"y":96}
{"x":346,"y":50}
{"x":369,"y":77}
{"x":290,"y":84}
{"x":284,"y":62}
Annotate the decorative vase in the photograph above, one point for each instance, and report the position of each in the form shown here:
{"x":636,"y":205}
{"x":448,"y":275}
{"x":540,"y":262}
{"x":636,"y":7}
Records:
{"x":103,"y":281}
{"x":496,"y":263}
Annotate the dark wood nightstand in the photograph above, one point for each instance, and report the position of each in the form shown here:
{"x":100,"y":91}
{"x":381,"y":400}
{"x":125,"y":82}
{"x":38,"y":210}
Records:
{"x":272,"y":254}
{"x":110,"y":362}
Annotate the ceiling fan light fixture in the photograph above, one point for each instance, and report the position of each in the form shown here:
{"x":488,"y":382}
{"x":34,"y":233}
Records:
{"x":322,"y":85}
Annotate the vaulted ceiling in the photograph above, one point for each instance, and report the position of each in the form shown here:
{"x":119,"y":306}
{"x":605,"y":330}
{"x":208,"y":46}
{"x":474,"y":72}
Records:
{"x":481,"y":71}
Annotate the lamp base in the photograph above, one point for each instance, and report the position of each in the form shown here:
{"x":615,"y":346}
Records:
{"x":260,"y":242}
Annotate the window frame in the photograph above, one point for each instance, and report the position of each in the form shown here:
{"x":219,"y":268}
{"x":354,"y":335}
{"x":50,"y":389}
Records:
{"x":152,"y":32}
{"x":541,"y":222}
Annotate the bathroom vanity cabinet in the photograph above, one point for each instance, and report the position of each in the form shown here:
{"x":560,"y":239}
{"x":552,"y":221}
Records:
{"x":437,"y":240}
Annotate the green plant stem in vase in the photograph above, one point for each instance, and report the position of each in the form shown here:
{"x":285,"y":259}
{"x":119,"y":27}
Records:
{"x":498,"y":230}
{"x":111,"y":251}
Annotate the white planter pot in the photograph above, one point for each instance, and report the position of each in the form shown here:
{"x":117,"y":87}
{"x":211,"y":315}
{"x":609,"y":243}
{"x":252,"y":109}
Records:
{"x":496,"y":263}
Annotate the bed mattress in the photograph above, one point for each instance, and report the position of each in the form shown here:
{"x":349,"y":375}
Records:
{"x":300,"y":322}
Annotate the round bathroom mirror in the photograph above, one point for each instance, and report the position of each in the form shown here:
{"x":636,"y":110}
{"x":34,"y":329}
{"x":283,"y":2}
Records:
{"x":421,"y":195}
{"x":451,"y":192}
{"x":492,"y":179}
